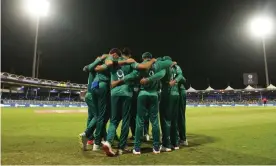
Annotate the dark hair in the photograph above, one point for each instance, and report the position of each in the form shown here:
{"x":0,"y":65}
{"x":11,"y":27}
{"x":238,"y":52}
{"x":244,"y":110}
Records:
{"x":126,"y":51}
{"x":115,"y":50}
{"x":146,"y":55}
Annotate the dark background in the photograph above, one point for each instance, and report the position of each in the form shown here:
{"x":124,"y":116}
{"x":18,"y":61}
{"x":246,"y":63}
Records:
{"x":209,"y":38}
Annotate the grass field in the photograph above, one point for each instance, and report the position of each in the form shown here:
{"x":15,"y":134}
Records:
{"x":216,"y":136}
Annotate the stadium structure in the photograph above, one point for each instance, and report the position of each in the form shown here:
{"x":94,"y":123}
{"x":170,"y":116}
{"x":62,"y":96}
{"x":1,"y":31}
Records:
{"x":20,"y":91}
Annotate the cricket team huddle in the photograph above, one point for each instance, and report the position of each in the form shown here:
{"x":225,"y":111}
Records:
{"x":120,"y":89}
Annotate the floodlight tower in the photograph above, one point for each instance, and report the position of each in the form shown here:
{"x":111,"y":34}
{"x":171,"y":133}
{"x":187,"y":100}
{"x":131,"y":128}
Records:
{"x":262,"y":27}
{"x":38,"y":8}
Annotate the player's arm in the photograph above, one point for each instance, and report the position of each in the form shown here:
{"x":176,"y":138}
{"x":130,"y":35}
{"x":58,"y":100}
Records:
{"x":179,"y":75}
{"x":109,"y":61}
{"x":126,"y":62}
{"x":179,"y":71}
{"x":103,"y":67}
{"x":164,"y":64}
{"x":131,"y":76}
{"x":157,"y":76}
{"x":91,"y":67}
{"x":145,"y":66}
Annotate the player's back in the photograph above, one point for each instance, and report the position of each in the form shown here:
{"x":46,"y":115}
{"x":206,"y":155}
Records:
{"x":102,"y":76}
{"x":153,"y":86}
{"x":118,"y":73}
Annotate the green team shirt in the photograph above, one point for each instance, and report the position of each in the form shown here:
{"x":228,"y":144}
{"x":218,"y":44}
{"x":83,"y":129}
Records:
{"x":124,"y":72}
{"x":180,"y":78}
{"x":172,"y":73}
{"x":154,"y":75}
{"x":103,"y":77}
{"x":174,"y":90}
{"x":162,"y":64}
{"x":92,"y":73}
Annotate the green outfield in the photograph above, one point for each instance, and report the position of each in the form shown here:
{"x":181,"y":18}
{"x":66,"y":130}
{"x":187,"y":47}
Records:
{"x":216,"y":136}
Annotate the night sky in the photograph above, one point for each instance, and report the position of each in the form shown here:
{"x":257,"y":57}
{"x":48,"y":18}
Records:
{"x":208,"y":38}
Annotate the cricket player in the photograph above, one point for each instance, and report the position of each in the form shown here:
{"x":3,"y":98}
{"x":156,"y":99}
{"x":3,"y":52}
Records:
{"x":126,"y":53}
{"x":148,"y":102}
{"x":146,"y":126}
{"x":91,"y":120}
{"x":182,"y":107}
{"x":169,"y":109}
{"x":100,"y":95}
{"x":121,"y":94}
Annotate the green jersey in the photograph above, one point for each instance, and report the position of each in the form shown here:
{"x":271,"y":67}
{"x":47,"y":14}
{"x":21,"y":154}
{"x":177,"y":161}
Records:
{"x":174,"y":90}
{"x":180,"y":79}
{"x":92,"y":73}
{"x":162,"y":64}
{"x":172,"y":73}
{"x":124,"y":72}
{"x":154,"y":74}
{"x":103,"y":77}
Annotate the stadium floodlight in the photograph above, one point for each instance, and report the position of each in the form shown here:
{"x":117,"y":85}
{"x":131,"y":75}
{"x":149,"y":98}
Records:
{"x":38,"y":8}
{"x":262,"y":27}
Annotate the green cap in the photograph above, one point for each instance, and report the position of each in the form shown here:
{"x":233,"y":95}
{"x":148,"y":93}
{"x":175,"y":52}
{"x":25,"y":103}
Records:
{"x":146,"y":55}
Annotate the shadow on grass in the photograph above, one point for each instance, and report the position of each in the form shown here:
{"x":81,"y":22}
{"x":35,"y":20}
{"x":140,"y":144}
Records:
{"x":199,"y":140}
{"x":194,"y":141}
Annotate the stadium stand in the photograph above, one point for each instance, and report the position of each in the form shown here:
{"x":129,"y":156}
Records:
{"x":20,"y":90}
{"x":25,"y":91}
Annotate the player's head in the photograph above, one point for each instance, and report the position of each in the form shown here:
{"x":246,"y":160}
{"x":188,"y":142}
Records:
{"x":146,"y":56}
{"x":115,"y":52}
{"x":167,"y":58}
{"x":126,"y":52}
{"x":159,"y":59}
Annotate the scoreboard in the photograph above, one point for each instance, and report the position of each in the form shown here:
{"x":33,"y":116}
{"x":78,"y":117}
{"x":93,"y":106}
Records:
{"x":250,"y":79}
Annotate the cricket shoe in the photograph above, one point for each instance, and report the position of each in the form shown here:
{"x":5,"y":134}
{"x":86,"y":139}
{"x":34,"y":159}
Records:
{"x":107,"y":149}
{"x":184,"y":143}
{"x":165,"y":149}
{"x":90,"y":142}
{"x":96,"y":147}
{"x":175,"y":148}
{"x":156,"y":150}
{"x":123,"y":151}
{"x":83,"y":140}
{"x":136,"y":151}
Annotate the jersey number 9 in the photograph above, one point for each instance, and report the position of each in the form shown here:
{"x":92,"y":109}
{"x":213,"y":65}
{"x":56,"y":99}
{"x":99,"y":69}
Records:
{"x":120,"y":74}
{"x":151,"y":73}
